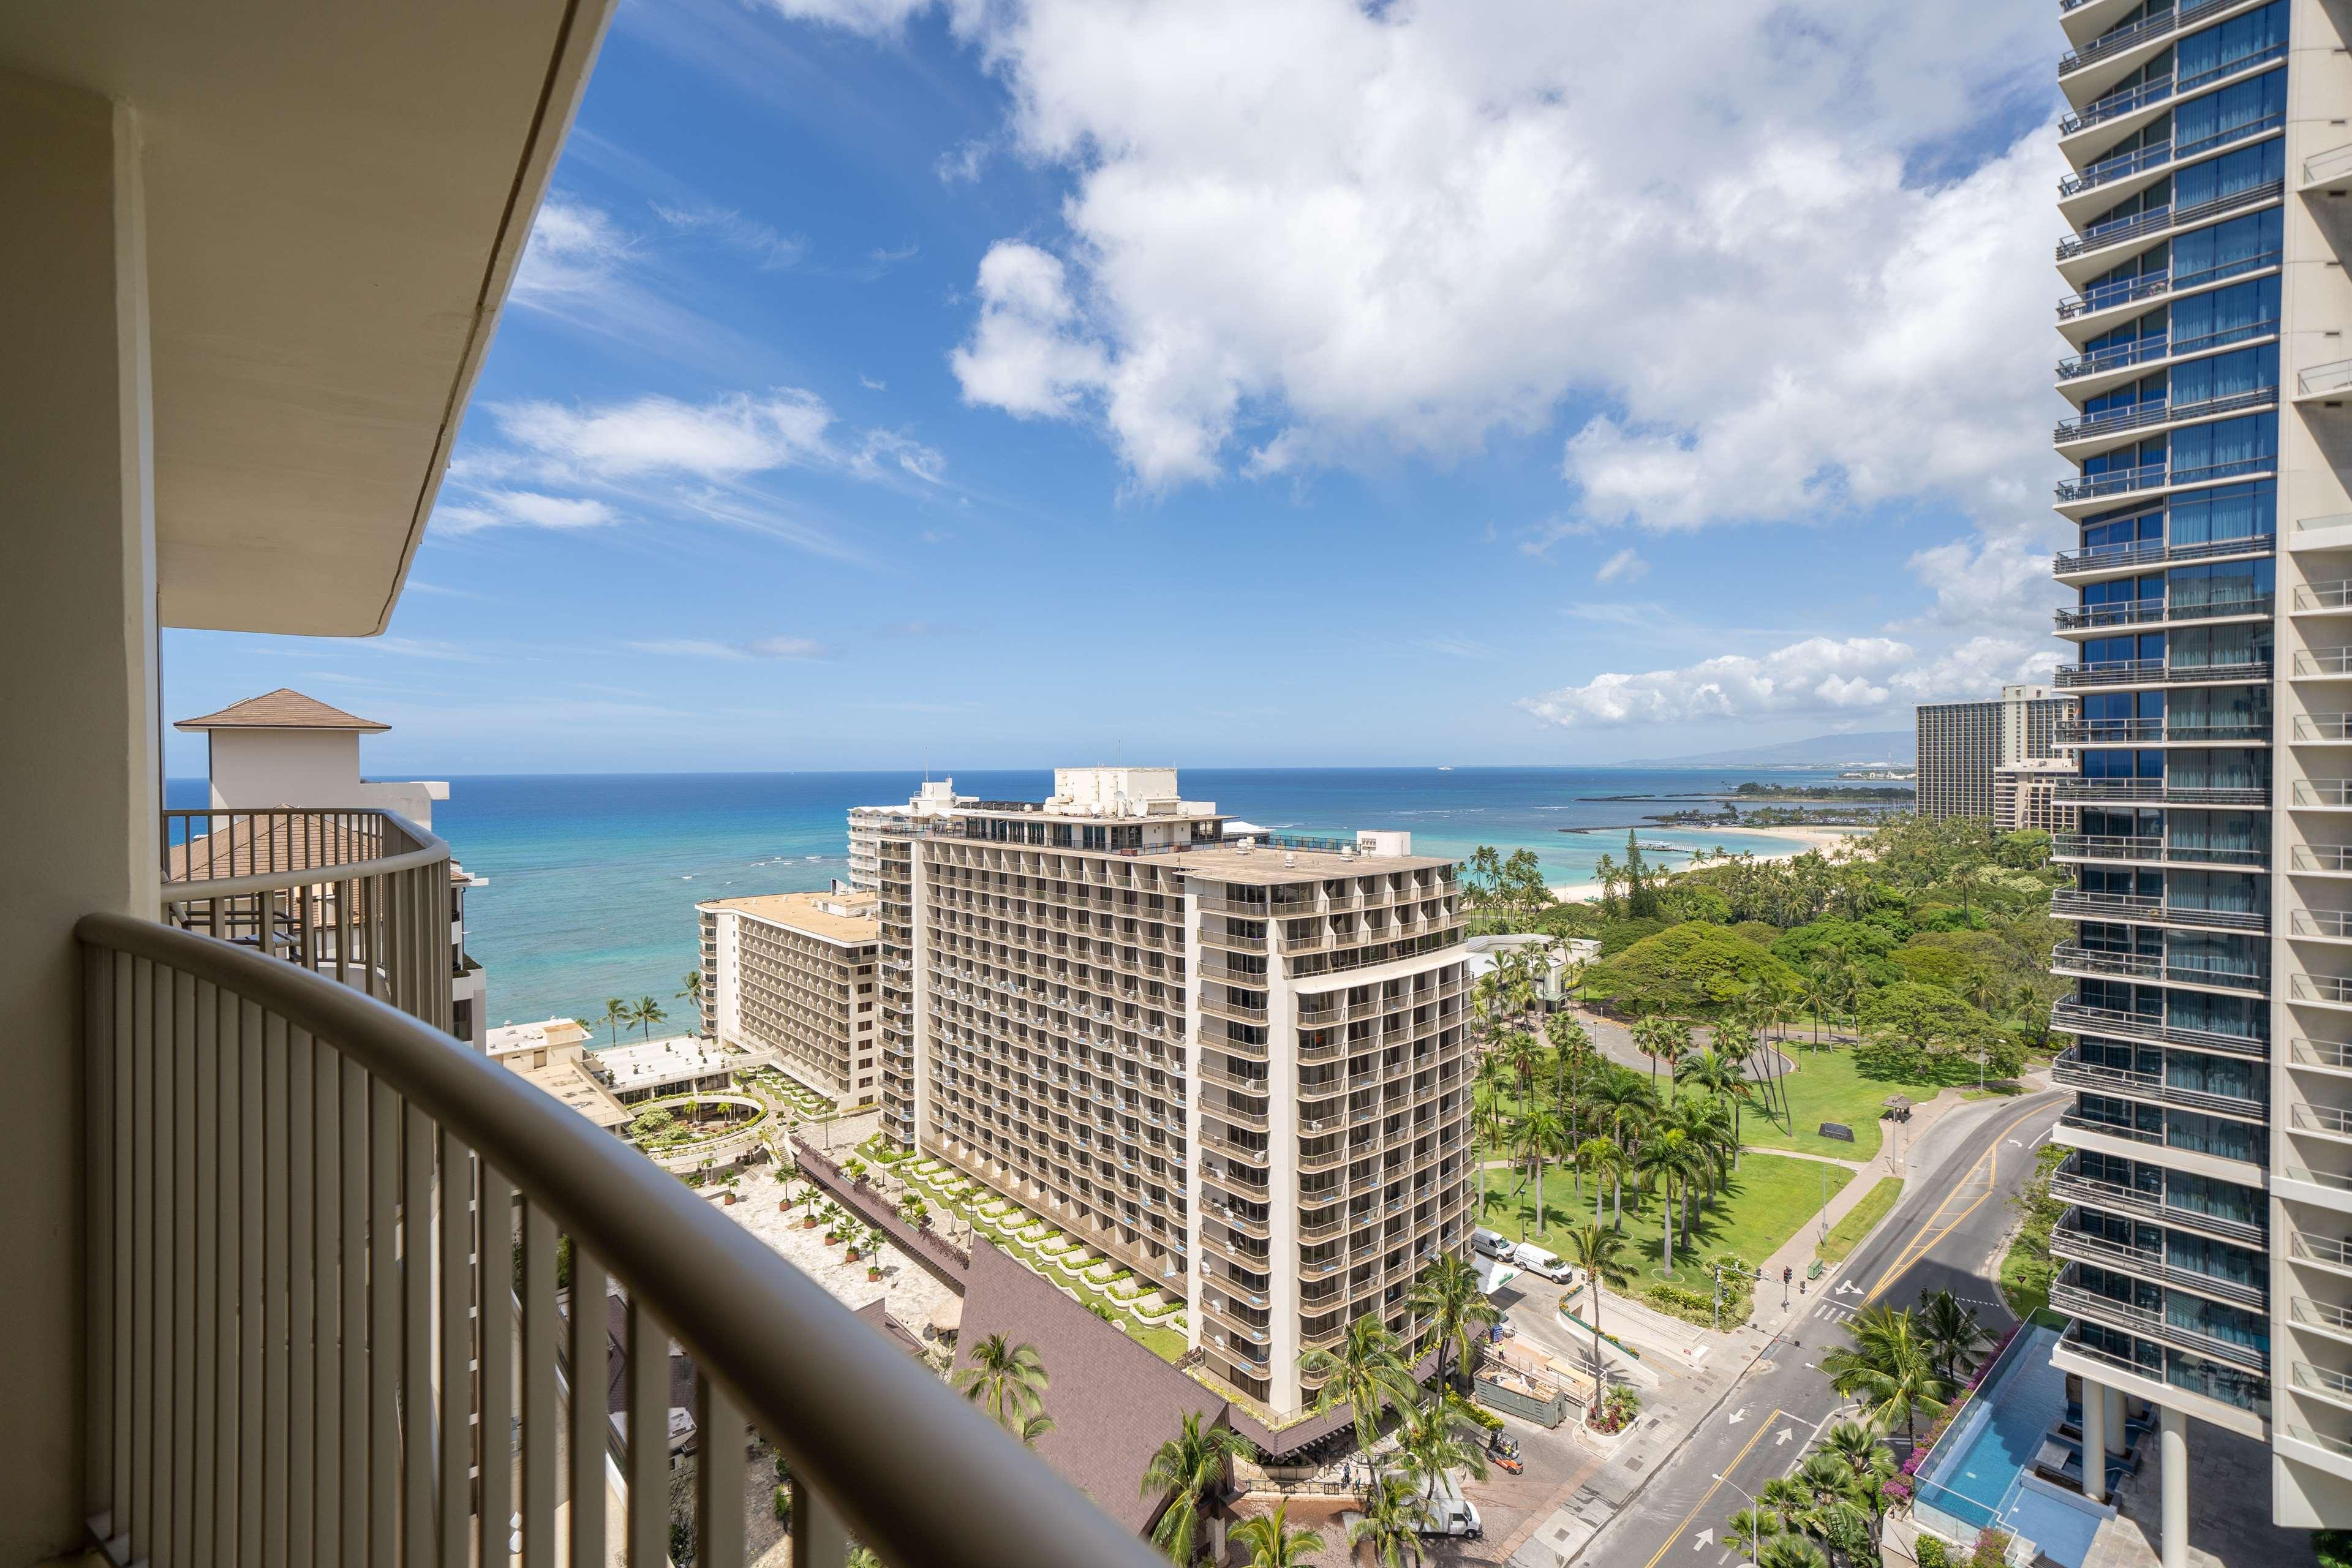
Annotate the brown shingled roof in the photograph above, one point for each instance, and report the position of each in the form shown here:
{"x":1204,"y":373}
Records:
{"x":1113,"y":1401}
{"x":284,"y":709}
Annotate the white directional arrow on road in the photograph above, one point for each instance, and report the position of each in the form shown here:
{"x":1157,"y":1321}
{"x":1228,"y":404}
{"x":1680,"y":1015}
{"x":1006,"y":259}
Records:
{"x":1786,"y":1433}
{"x":1848,"y":1288}
{"x":1706,"y":1539}
{"x":2015,"y":1144}
{"x":1739,"y":1415}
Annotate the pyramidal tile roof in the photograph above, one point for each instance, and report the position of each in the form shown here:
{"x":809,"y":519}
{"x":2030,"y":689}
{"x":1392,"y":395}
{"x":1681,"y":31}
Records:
{"x":284,"y":709}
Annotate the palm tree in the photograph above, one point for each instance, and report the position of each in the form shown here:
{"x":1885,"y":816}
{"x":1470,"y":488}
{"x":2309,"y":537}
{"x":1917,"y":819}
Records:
{"x":1008,"y":1381}
{"x":1368,"y":1369}
{"x":1600,"y":1157}
{"x":1490,"y":1125}
{"x":1660,"y":1039}
{"x":1522,"y":1055}
{"x":1888,"y":1369}
{"x":1433,"y":1444}
{"x":617,"y":1013}
{"x":1540,"y":1133}
{"x":1750,"y":1529}
{"x":1446,"y":1296}
{"x":1188,"y":1469}
{"x":1622,"y":1093}
{"x":1664,"y":1159}
{"x":1273,"y":1543}
{"x":692,"y":994}
{"x":1033,"y":1428}
{"x":1790,"y":1551}
{"x":1600,"y":1253}
{"x":1723,"y":1076}
{"x":647,"y":1014}
{"x":1955,"y":1341}
{"x":1784,"y":1499}
{"x":1394,"y":1516}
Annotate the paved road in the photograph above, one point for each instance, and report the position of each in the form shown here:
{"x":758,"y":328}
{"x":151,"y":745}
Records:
{"x":1944,"y":1235}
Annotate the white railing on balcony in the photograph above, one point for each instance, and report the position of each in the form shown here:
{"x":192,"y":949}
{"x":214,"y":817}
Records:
{"x":359,"y":896}
{"x":2334,"y":376}
{"x":2328,"y":165}
{"x":323,"y":1253}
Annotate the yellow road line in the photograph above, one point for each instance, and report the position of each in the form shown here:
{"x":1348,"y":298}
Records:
{"x":1989,"y":1165}
{"x":1709,"y":1495}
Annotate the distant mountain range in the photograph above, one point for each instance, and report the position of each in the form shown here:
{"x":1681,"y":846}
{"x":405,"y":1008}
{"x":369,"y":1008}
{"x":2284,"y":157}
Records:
{"x":1859,"y":748}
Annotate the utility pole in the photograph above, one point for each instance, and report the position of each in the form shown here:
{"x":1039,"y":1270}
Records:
{"x":1718,"y":1297}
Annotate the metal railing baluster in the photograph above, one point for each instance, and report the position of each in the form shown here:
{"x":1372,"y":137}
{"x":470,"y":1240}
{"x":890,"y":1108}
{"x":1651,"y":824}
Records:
{"x":417,"y":1474}
{"x":591,"y":1366}
{"x":647,"y":1436}
{"x":456,"y":1318}
{"x":541,"y":1421}
{"x":275,"y":1294}
{"x":719,"y":1476}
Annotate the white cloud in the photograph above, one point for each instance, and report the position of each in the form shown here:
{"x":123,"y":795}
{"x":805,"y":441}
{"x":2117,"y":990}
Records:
{"x":873,"y":384}
{"x":789,"y":648}
{"x":962,"y":163}
{"x":733,"y":436}
{"x":1818,"y":675}
{"x":1625,"y":566}
{"x":872,"y":18}
{"x":573,"y":249}
{"x":484,"y":508}
{"x":769,"y":249}
{"x":1311,"y":232}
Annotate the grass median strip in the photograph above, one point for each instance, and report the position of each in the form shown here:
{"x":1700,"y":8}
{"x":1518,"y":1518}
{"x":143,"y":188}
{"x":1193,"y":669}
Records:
{"x":1860,"y":1220}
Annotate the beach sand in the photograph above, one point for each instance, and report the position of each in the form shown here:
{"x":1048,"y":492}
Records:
{"x":1825,"y":839}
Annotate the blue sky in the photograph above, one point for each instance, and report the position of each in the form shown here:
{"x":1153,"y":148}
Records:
{"x":1009,"y":381}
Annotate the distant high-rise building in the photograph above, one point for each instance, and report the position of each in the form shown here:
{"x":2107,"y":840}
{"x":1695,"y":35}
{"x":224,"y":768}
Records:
{"x":866,"y":822}
{"x":1240,"y":1067}
{"x":1962,"y":745}
{"x":791,"y":976}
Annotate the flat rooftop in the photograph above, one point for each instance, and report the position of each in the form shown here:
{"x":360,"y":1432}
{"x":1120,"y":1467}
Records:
{"x":530,"y":1037}
{"x":662,"y":1061}
{"x":812,"y":914}
{"x":568,"y":1082}
{"x":1227,"y":863}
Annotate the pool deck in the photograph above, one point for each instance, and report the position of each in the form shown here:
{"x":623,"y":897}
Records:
{"x":1984,"y":1468}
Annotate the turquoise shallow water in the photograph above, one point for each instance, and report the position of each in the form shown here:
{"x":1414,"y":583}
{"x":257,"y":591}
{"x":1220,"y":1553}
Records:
{"x":594,"y":878}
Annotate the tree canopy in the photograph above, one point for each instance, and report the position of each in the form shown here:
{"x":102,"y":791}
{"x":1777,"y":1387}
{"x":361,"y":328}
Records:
{"x":1691,"y":970}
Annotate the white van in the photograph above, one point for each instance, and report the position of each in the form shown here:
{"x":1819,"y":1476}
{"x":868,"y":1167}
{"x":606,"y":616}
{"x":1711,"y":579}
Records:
{"x":1536,"y":1260}
{"x":1452,"y":1515}
{"x":1489,"y":1243}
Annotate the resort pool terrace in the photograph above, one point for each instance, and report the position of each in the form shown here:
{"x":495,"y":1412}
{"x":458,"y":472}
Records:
{"x":1982,"y":1474}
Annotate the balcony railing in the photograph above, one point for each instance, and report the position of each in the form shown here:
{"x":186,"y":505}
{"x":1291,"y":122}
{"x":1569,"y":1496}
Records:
{"x":2149,"y":1263}
{"x":359,"y":896}
{"x":2073,"y":1017}
{"x":2132,"y":98}
{"x":2073,"y":903}
{"x":301,"y":1205}
{"x":2145,"y":30}
{"x":2157,"y":220}
{"x":2154,"y":1322}
{"x":2072,"y":1069}
{"x":2149,"y":966}
{"x":2121,"y":166}
{"x":2153,"y":671}
{"x":2072,"y":1187}
{"x":2145,"y":612}
{"x":2142,"y":416}
{"x":2135,"y":557}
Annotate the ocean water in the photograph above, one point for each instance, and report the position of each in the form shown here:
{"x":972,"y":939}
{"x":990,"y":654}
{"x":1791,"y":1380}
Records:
{"x":593,"y":879}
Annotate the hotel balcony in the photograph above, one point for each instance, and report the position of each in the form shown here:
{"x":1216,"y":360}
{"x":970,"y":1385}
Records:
{"x":2153,"y":1323}
{"x":2094,"y":373}
{"x":2069,"y":1185}
{"x":2092,"y":620}
{"x":2071,"y":903}
{"x":2164,"y":792}
{"x":2083,"y":248}
{"x":286,"y":1279}
{"x":2073,"y":1017}
{"x":2123,"y":561}
{"x":2154,"y":852}
{"x":2070,"y":1242}
{"x":2163,"y":673}
{"x":2070,"y":1069}
{"x":2070,"y":959}
{"x":2120,"y":49}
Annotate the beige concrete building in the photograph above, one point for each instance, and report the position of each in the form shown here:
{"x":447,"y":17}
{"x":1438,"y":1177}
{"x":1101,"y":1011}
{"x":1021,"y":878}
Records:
{"x":1962,"y":746}
{"x":1240,"y":1067}
{"x":789,"y":977}
{"x":2025,"y":794}
{"x":867,"y":823}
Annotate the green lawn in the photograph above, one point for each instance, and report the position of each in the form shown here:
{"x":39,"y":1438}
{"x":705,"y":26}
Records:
{"x":1861,"y":1219}
{"x":1168,"y":1345}
{"x":1766,"y":1202}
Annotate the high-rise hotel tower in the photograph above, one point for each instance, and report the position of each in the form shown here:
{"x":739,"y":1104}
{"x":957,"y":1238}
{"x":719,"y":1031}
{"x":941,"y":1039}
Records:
{"x":2207,"y":1253}
{"x":1237,"y":1066}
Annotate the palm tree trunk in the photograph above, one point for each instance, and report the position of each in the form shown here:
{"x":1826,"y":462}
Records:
{"x":1666,"y":1213}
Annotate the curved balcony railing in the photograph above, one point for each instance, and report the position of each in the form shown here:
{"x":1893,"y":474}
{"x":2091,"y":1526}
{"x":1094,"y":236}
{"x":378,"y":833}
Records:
{"x":2333,"y":163}
{"x":2121,"y":166}
{"x":2164,"y":792}
{"x":2145,"y":30}
{"x":2068,"y":1184}
{"x":2322,"y":379}
{"x":2155,"y":1323}
{"x":301,"y":1205}
{"x":361,"y":896}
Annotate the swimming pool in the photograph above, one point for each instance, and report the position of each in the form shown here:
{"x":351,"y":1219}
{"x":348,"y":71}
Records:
{"x":1982,"y":1473}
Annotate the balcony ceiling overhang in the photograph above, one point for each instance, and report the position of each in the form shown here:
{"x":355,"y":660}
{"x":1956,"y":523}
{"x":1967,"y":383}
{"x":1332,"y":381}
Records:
{"x":336,"y":199}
